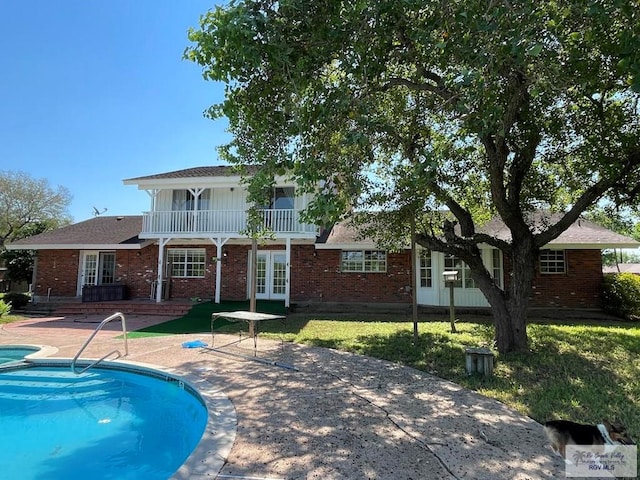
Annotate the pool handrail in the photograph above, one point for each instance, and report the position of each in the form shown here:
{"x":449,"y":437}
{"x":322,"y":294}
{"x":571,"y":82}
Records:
{"x":98,"y":328}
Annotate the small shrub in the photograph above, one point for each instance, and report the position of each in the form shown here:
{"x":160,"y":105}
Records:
{"x":621,"y":295}
{"x":5,"y":308}
{"x":17,"y":300}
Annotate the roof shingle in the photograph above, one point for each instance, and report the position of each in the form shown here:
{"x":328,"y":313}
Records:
{"x":195,"y":172}
{"x":119,"y":231}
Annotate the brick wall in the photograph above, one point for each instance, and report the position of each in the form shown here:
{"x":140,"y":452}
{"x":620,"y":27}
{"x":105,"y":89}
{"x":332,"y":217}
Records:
{"x":317,"y":277}
{"x":579,"y":287}
{"x":233,"y":284}
{"x":137,"y":269}
{"x":56,"y":270}
{"x":196,"y":287}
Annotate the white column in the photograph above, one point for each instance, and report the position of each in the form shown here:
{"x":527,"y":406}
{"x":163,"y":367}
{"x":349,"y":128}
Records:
{"x":196,"y":200}
{"x":161,"y":244}
{"x":287,"y":283}
{"x":219,"y":243}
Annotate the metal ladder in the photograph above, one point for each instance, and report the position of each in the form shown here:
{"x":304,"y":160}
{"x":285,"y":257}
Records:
{"x":102,"y":324}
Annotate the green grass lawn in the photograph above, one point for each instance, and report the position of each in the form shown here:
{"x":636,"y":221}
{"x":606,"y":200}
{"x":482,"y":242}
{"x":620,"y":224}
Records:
{"x":10,"y":318}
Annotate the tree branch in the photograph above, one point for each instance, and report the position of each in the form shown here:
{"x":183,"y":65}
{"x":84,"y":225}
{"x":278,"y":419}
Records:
{"x":590,"y":196}
{"x":413,"y":85}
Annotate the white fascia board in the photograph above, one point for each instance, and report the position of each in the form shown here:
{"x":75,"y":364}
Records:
{"x":549,"y":246}
{"x":184,"y":183}
{"x":347,"y":246}
{"x":589,"y":246}
{"x":190,"y":182}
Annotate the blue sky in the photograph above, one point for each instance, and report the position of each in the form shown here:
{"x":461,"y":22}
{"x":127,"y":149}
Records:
{"x":96,"y":91}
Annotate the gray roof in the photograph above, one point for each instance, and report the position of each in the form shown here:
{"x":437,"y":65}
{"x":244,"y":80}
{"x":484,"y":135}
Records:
{"x":109,"y":232}
{"x":195,"y":172}
{"x":121,"y":232}
{"x":582,"y":234}
{"x":343,"y":234}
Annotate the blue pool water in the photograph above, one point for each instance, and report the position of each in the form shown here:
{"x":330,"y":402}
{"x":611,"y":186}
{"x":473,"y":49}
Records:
{"x":14,"y":354}
{"x":102,"y":424}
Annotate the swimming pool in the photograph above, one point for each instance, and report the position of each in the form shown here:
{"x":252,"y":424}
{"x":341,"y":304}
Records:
{"x":18,"y":353}
{"x":106,"y":423}
{"x":15,"y":353}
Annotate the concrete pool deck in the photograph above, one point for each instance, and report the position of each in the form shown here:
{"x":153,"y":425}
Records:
{"x":339,"y":416}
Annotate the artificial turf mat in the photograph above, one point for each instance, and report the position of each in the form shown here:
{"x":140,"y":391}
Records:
{"x":198,"y":319}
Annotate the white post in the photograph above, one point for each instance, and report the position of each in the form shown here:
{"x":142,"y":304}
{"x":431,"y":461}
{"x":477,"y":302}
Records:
{"x":196,"y":192}
{"x":287,"y":282}
{"x":219,"y":243}
{"x":218,"y":270}
{"x":161,"y":244}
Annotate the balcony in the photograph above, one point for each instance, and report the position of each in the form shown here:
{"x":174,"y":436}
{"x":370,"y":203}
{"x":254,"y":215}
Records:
{"x":193,"y":224}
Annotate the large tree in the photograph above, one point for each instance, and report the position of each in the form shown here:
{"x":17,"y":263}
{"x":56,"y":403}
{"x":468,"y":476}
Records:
{"x":444,"y":112}
{"x":28,"y":206}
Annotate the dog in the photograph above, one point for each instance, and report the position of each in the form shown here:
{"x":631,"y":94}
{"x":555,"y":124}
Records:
{"x":564,"y":432}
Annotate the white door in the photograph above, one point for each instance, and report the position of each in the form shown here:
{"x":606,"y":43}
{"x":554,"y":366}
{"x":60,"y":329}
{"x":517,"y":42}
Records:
{"x":428,"y":281}
{"x":88,"y":271}
{"x":96,"y":268}
{"x":271,"y":275}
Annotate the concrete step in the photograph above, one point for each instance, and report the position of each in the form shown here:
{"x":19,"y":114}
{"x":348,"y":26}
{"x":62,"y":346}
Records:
{"x":128,"y":308}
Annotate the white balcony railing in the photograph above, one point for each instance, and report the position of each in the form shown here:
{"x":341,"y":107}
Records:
{"x":221,"y":221}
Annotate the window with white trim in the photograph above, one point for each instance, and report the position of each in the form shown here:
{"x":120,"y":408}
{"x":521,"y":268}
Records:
{"x":363,"y":261}
{"x":552,"y":262}
{"x":451,"y":263}
{"x":186,"y":262}
{"x":496,"y":267}
{"x":426,"y":269}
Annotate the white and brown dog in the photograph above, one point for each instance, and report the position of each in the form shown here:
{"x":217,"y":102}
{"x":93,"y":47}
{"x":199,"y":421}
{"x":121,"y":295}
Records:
{"x":563,"y":432}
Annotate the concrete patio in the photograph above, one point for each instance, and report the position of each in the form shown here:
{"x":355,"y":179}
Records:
{"x":339,"y":416}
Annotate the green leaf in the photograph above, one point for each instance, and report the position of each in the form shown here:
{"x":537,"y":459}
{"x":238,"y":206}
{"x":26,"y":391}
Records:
{"x":535,"y":50}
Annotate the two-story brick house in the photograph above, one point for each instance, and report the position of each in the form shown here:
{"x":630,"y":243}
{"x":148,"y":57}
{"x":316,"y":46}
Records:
{"x":192,"y":243}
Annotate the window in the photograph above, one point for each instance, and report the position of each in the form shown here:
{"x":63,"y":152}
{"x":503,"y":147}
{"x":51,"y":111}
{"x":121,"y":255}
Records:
{"x":364,"y":261}
{"x":107,"y":268}
{"x":453,"y":263}
{"x":426,"y":272}
{"x":283,"y":198}
{"x":186,"y":262}
{"x":185,"y":200}
{"x":279,"y":216}
{"x":552,"y":261}
{"x":99,"y":268}
{"x":496,"y":264}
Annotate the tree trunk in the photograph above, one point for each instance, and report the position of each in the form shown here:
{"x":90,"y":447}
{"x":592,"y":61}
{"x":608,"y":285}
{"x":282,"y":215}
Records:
{"x":511,"y":328}
{"x":511,"y":319}
{"x":414,"y":284}
{"x":510,"y":307}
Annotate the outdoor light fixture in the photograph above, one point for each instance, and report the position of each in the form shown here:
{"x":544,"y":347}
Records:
{"x":450,"y":278}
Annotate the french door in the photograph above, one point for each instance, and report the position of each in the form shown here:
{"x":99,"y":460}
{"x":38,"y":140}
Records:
{"x":271,"y":274}
{"x":96,"y":268}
